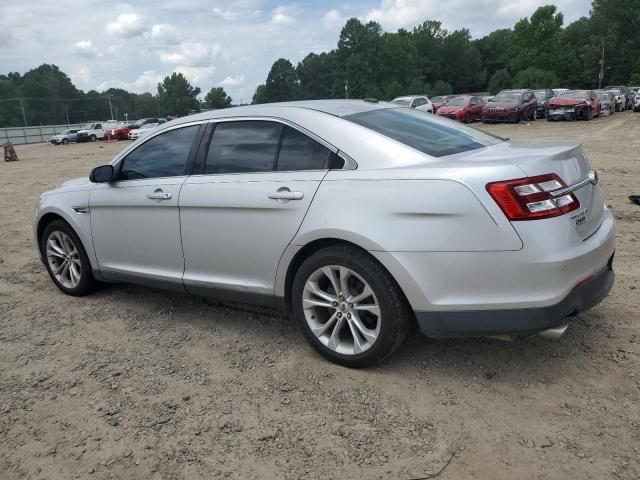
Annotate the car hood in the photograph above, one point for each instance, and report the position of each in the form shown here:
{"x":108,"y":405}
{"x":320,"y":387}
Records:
{"x":75,"y":182}
{"x":502,"y":105}
{"x":566,"y":102}
{"x":451,"y":108}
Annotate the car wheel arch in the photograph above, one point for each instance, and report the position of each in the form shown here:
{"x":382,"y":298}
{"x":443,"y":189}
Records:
{"x":50,"y":217}
{"x":315,"y":246}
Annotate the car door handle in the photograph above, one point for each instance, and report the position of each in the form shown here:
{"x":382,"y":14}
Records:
{"x":285,"y":194}
{"x":159,"y":195}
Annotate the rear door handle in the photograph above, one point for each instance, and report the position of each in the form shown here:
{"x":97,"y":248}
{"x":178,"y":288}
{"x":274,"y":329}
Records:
{"x":159,"y":195}
{"x":285,"y":194}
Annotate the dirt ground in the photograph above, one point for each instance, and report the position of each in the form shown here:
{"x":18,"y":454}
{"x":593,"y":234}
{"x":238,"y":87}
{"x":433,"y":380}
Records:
{"x":134,"y":383}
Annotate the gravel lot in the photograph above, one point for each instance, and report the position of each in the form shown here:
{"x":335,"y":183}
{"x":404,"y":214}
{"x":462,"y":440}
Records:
{"x":135,"y":383}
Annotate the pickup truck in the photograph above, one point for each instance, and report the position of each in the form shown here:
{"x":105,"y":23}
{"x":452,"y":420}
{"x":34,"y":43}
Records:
{"x":91,"y":132}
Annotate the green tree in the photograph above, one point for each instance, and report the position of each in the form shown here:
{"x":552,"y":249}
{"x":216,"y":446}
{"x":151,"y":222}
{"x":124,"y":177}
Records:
{"x":218,"y":98}
{"x":442,"y":88}
{"x":461,"y":65}
{"x":535,"y":78}
{"x":260,"y":95}
{"x":398,"y":60}
{"x":500,"y":80}
{"x":176,"y":96}
{"x":144,"y":105}
{"x":358,"y":57}
{"x":536,"y":41}
{"x":428,"y":38}
{"x":318,"y":77}
{"x":282,"y":83}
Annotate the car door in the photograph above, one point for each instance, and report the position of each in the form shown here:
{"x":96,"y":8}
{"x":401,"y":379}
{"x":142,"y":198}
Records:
{"x":135,"y":219}
{"x":475,"y":107}
{"x":239,"y":215}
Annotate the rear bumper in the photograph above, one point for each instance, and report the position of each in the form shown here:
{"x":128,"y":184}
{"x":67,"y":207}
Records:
{"x":522,"y":321}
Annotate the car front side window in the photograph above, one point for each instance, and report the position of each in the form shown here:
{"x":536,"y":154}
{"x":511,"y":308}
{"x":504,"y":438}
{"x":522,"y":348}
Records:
{"x":164,"y":155}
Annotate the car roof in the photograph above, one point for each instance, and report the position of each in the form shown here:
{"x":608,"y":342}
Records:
{"x":336,"y":108}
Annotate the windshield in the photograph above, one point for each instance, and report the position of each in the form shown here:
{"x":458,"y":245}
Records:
{"x":540,"y":94}
{"x":458,"y":101}
{"x":604,"y":95}
{"x":88,"y":126}
{"x":508,"y":97}
{"x":423,"y":131}
{"x":405,"y":102}
{"x":140,"y":122}
{"x":438,"y":99}
{"x":67,"y":132}
{"x":146,"y":126}
{"x":577,"y":95}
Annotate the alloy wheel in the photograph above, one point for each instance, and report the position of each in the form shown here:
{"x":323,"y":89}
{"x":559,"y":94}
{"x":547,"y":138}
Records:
{"x":63,"y":259}
{"x":341,"y":310}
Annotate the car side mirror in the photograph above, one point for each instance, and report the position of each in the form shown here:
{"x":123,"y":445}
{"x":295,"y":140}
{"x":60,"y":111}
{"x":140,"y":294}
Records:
{"x":102,"y":174}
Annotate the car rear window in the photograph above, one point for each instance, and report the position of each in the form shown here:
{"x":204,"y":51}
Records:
{"x":424,"y":131}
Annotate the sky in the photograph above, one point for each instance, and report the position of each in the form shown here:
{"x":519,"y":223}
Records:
{"x":103,"y":44}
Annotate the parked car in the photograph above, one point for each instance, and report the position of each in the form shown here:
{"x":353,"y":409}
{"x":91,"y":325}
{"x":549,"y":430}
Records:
{"x":542,"y":97}
{"x":121,"y":132}
{"x":487,"y":98}
{"x":628,"y":94}
{"x":362,"y":218}
{"x":91,"y":132}
{"x":574,"y":104}
{"x":70,"y":135}
{"x":607,"y":102}
{"x":142,"y":131}
{"x":439,"y":101}
{"x":463,"y":108}
{"x":511,"y":106}
{"x":636,"y":103}
{"x":419,"y":102}
{"x":621,"y":97}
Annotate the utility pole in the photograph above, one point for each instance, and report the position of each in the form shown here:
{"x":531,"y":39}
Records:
{"x":66,"y":113}
{"x":601,"y":74}
{"x":346,"y":89}
{"x":24,"y":117}
{"x":110,"y":107}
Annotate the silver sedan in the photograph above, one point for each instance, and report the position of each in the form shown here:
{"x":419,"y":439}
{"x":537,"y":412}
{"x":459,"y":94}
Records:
{"x":364,"y":219}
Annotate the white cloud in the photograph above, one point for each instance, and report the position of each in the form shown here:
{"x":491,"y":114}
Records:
{"x":234,"y":15}
{"x":197,"y":75}
{"x":81,"y":76}
{"x":85,"y":48}
{"x":332,"y":19}
{"x":126,"y":25}
{"x":282,"y":15}
{"x":232,"y":81}
{"x":191,"y":54}
{"x":163,"y":32}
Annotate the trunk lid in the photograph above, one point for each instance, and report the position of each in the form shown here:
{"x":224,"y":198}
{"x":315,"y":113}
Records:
{"x":539,"y":157}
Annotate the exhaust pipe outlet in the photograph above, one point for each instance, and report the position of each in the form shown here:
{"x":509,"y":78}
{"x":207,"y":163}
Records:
{"x":555,"y":332}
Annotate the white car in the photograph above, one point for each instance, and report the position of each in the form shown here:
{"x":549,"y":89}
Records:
{"x":363,"y":218}
{"x":419,"y":102}
{"x":145,"y":129}
{"x":91,"y":132}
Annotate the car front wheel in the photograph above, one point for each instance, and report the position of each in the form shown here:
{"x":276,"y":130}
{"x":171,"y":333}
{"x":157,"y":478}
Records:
{"x":350,"y":308}
{"x":66,"y":259}
{"x":93,"y":138}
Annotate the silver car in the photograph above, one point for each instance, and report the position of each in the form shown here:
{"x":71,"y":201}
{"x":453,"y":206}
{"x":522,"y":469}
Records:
{"x":70,"y":135}
{"x":362,"y":218}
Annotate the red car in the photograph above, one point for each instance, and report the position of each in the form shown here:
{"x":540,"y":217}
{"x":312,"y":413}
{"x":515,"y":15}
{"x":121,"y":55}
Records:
{"x":511,"y":106}
{"x":463,"y":108}
{"x":574,"y":104}
{"x":439,"y":101}
{"x":121,"y":132}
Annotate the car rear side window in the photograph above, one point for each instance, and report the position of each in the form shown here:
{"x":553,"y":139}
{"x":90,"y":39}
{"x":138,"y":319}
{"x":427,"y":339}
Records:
{"x":299,"y":152}
{"x":424,"y":132}
{"x":246,"y":146}
{"x":164,"y":155}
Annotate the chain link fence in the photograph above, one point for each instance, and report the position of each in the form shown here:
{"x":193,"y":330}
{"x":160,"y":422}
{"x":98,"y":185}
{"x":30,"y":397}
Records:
{"x":24,"y":135}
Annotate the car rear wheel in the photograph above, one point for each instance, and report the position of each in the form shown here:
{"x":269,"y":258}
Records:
{"x":349,"y":307}
{"x":65,"y":141}
{"x":66,"y":259}
{"x":92,"y":138}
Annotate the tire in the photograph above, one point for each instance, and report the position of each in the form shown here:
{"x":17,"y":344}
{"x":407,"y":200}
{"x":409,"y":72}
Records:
{"x":519,"y":119}
{"x":389,"y":327}
{"x":534,"y":115}
{"x":57,"y":231}
{"x":65,"y":141}
{"x":92,"y":138}
{"x":587,"y":114}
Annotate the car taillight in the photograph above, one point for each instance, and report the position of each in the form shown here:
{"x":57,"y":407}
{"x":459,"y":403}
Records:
{"x":531,"y":199}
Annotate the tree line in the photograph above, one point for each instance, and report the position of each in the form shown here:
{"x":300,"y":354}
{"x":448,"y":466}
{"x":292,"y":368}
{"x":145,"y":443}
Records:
{"x":47,"y":96}
{"x":539,"y":51}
